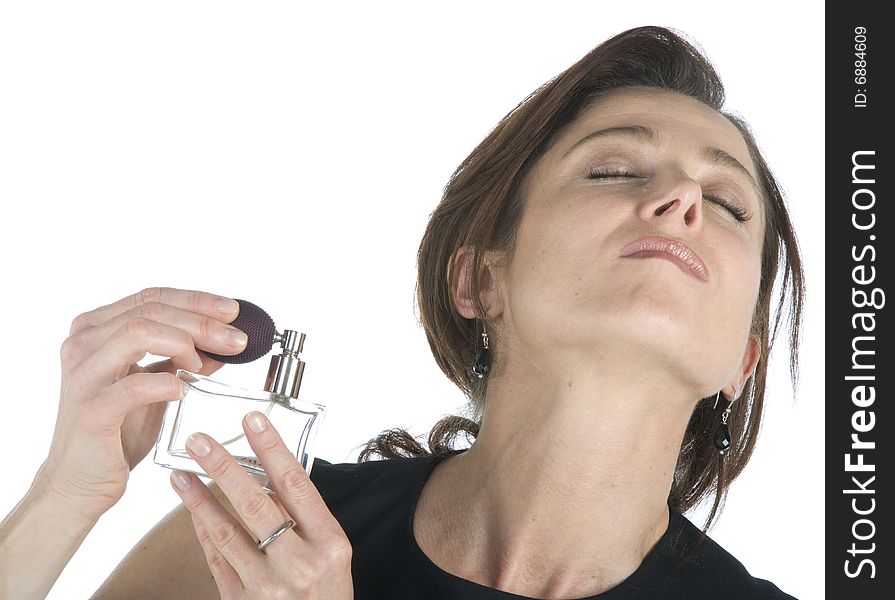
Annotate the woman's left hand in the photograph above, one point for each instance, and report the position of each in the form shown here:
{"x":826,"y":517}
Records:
{"x":311,"y":560}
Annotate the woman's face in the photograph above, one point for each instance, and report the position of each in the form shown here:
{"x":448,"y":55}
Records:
{"x":569,"y":294}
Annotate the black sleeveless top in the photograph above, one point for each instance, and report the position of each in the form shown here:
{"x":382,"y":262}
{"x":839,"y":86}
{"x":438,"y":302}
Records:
{"x":375,"y":501}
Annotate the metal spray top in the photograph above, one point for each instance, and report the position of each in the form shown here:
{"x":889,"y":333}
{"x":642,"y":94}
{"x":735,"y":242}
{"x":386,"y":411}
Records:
{"x":286,"y":369}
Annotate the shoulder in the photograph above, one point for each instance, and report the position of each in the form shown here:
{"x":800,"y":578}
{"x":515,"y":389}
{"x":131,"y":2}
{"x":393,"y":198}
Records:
{"x":716,"y":573}
{"x":337,"y":480}
{"x":361,"y":494}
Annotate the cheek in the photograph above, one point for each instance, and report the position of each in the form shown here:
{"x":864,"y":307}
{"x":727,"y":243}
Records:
{"x":549,"y":276}
{"x":742,"y":278}
{"x":544,"y":270}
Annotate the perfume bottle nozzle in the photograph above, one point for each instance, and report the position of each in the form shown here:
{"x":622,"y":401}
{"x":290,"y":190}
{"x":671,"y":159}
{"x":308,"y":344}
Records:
{"x":290,"y":341}
{"x":286,"y":369}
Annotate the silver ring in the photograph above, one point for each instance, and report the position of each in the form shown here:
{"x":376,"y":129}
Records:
{"x":283,"y":529}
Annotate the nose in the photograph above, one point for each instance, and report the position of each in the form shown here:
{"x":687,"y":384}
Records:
{"x":678,"y":199}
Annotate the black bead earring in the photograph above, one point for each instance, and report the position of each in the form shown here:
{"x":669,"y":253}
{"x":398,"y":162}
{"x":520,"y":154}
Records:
{"x":722,"y":435}
{"x":483,"y":360}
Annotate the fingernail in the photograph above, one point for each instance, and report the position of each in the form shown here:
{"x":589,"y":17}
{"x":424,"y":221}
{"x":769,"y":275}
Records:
{"x":181,"y":480}
{"x":198,"y":444}
{"x":255,"y":421}
{"x":226,"y":306}
{"x":235,"y":337}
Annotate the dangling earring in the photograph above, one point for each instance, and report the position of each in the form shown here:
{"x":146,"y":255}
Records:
{"x":483,"y":360}
{"x":722,"y":435}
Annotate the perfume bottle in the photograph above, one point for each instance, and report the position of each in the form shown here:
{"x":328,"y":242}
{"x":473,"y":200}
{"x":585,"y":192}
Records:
{"x":217,"y":409}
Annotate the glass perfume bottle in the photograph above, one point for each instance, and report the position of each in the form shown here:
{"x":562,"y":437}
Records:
{"x":217,"y":409}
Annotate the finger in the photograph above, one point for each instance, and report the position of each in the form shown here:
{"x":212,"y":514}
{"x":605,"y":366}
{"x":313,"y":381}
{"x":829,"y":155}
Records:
{"x":128,"y":345}
{"x":209,"y":365}
{"x":257,"y":510}
{"x":114,"y":402}
{"x":219,"y":307}
{"x":206,"y":332}
{"x":228,"y":536}
{"x":290,"y":481}
{"x":227,"y":579}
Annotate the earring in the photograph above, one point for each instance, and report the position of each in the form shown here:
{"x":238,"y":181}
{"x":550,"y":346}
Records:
{"x":483,"y":360}
{"x":722,"y":435}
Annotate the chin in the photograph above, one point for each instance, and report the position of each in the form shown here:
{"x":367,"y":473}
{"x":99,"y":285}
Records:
{"x":654,"y":327}
{"x":662,"y":306}
{"x":650,"y":323}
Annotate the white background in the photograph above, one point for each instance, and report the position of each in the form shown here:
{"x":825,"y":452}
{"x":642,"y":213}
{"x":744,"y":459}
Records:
{"x":290,"y":154}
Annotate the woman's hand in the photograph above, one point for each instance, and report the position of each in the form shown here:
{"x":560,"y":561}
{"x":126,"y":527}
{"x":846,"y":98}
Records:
{"x":110,"y":408}
{"x":312,"y":562}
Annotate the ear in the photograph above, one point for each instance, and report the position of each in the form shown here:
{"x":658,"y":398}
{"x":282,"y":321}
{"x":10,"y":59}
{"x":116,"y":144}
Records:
{"x":747,"y":367}
{"x":459,"y":275}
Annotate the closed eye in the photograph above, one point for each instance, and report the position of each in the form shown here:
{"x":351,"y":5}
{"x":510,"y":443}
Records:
{"x":605,"y":174}
{"x":740,"y":214}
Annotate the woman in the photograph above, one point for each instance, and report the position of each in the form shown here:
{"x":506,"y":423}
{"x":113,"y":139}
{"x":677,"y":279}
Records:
{"x":597,"y":279}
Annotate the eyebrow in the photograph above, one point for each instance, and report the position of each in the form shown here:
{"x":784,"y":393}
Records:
{"x":712,"y":155}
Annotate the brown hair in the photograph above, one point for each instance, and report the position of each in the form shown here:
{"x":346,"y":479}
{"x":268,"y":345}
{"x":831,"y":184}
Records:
{"x":482,"y":207}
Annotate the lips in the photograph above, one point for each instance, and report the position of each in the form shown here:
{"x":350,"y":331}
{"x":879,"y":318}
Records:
{"x":674,"y":250}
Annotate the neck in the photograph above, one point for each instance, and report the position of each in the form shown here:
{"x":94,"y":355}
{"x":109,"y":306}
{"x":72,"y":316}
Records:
{"x":564,"y":491}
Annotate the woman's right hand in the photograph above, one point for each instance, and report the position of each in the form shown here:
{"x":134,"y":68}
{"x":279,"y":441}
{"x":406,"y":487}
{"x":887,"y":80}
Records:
{"x":110,"y":408}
